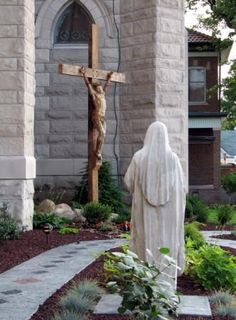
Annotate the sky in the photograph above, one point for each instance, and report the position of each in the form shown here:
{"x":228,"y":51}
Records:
{"x":191,"y":20}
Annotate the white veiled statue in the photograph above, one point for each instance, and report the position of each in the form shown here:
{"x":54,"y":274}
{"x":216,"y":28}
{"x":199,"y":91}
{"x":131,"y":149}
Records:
{"x":155,"y":179}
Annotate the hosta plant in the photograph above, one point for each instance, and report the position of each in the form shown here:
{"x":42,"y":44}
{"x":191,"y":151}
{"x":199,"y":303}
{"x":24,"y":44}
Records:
{"x":142,"y":286}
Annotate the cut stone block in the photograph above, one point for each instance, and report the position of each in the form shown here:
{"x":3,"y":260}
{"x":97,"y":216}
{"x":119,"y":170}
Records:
{"x":189,"y":305}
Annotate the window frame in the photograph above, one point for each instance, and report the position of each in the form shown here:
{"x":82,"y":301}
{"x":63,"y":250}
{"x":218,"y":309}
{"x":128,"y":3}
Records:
{"x":55,"y":30}
{"x":200,"y":102}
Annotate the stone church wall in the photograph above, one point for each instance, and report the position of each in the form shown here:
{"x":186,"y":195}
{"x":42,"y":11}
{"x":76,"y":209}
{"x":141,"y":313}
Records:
{"x":62,"y":101}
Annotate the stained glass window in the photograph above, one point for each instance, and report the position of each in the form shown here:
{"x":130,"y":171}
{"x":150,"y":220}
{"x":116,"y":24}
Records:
{"x":73,"y":25}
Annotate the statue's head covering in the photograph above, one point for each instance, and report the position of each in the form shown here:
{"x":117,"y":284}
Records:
{"x":156,"y":170}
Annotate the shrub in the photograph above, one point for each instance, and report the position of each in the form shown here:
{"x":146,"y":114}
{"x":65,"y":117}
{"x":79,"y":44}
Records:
{"x":96,"y":212}
{"x":191,"y":232}
{"x":224,"y":214}
{"x":139,"y":284}
{"x":200,"y":211}
{"x":213,"y":268}
{"x":188,"y":209}
{"x":8,"y":225}
{"x":109,"y":191}
{"x":229,"y":183}
{"x":40,"y":219}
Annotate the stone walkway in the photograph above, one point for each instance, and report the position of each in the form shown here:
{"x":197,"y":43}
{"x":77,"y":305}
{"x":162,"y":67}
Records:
{"x":220,"y":242}
{"x":26,"y":286}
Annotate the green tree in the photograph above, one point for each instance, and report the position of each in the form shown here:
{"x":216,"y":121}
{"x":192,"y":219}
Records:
{"x":220,"y":14}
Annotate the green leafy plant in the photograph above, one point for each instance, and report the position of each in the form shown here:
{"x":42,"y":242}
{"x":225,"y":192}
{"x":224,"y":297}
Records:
{"x":8,"y":225}
{"x":139,"y":284}
{"x":191,"y":231}
{"x":109,"y":191}
{"x":40,"y":219}
{"x":212,"y":267}
{"x":68,"y":230}
{"x":96,"y":212}
{"x":224,"y":214}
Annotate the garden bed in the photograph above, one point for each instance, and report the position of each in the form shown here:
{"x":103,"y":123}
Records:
{"x":32,"y":243}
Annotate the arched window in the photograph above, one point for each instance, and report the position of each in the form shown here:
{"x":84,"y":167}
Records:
{"x":73,"y":25}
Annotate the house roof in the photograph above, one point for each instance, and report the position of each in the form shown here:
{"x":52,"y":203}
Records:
{"x":228,"y":141}
{"x":198,"y":37}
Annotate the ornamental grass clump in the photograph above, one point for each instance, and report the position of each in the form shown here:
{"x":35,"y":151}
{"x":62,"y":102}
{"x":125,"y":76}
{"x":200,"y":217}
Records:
{"x":139,"y":283}
{"x":79,"y":301}
{"x":224,"y":304}
{"x":224,"y":214}
{"x":69,"y":315}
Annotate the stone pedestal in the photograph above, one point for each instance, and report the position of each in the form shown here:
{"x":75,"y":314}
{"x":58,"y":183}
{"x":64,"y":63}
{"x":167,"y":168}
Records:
{"x":17,"y":87}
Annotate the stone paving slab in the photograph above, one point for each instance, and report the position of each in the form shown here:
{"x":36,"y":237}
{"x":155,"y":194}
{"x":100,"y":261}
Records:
{"x":189,"y":305}
{"x":26,"y":286}
{"x":220,"y":242}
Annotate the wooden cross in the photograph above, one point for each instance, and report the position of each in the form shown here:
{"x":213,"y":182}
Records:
{"x":93,"y":73}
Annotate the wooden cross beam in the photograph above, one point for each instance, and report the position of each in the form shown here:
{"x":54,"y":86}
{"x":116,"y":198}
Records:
{"x":73,"y":70}
{"x":93,"y":73}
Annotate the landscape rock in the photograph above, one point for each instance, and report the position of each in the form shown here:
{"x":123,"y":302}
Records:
{"x":46,"y":206}
{"x":63,"y":210}
{"x":79,"y":216}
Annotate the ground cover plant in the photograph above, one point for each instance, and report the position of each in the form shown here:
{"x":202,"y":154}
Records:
{"x":211,"y":266}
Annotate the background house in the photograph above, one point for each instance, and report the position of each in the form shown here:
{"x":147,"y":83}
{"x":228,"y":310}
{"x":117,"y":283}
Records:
{"x":204,"y":118}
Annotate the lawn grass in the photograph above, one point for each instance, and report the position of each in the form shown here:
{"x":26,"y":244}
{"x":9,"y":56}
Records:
{"x":212,"y":217}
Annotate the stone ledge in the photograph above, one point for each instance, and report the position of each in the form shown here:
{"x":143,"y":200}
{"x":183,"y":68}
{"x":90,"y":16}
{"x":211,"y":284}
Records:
{"x":17,"y":167}
{"x":189,"y":305}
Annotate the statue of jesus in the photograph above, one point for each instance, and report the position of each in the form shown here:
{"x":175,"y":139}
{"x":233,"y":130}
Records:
{"x":98,"y":94}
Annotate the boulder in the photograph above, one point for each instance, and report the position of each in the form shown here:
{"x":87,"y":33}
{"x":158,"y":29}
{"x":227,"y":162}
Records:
{"x":63,"y":210}
{"x":46,"y":206}
{"x":79,"y":216}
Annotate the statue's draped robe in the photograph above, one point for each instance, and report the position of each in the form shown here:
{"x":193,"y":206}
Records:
{"x":155,"y":179}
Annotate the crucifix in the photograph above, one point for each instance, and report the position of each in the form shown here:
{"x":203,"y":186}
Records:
{"x":96,"y":107}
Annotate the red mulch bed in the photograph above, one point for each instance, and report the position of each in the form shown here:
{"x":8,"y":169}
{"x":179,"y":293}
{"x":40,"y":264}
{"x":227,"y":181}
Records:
{"x":225,"y":236}
{"x":33,"y":243}
{"x":211,"y":227}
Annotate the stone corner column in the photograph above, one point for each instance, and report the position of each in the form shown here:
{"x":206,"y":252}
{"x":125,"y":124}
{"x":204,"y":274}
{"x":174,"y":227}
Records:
{"x":154,"y":59}
{"x":17,"y":87}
